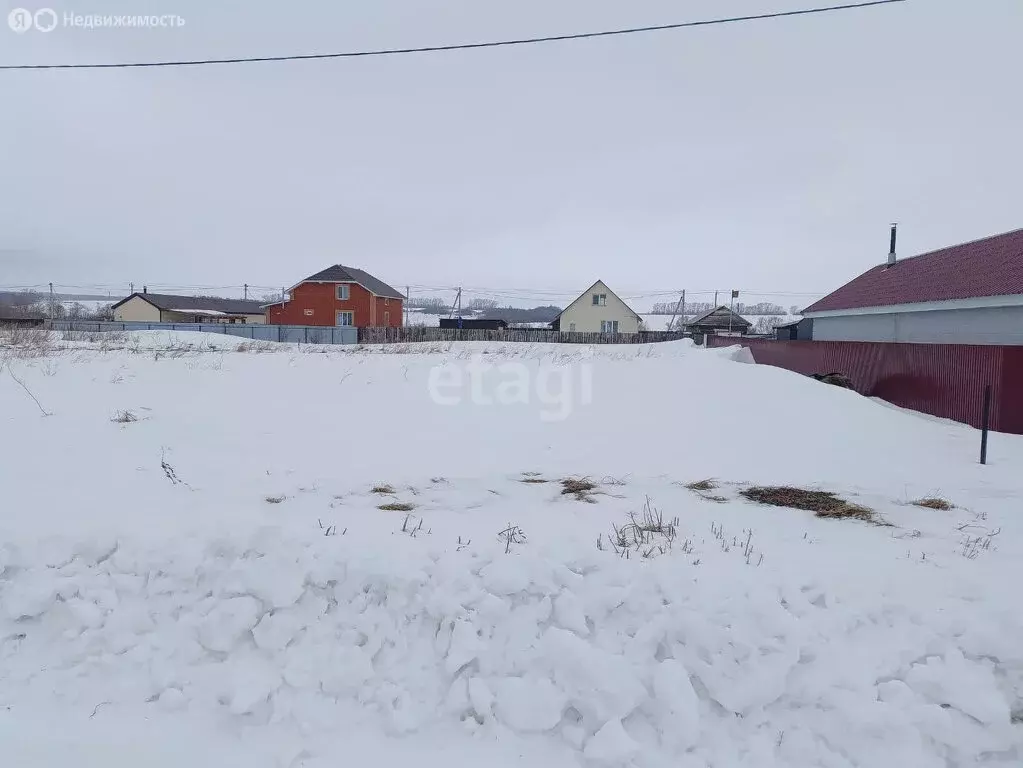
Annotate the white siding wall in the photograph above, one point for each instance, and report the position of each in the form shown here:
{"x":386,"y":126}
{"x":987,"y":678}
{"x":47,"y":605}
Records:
{"x":587,"y":317}
{"x":135,"y":310}
{"x":987,"y":325}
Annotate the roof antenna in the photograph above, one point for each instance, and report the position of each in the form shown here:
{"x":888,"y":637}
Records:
{"x":891,"y":250}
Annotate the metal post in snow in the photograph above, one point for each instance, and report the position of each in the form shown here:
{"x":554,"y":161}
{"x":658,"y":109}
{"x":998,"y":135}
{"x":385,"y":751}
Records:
{"x":985,"y":423}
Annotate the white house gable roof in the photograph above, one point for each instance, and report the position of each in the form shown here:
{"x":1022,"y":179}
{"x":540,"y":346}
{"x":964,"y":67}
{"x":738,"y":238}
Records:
{"x":589,"y":292}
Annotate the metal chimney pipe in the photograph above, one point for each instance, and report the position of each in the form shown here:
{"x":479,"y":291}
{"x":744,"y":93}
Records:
{"x":891,"y":250}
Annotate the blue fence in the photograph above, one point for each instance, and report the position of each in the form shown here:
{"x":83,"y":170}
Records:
{"x":293,"y":334}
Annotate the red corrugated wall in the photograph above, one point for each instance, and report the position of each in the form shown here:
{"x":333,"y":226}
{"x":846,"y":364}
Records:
{"x":945,"y":380}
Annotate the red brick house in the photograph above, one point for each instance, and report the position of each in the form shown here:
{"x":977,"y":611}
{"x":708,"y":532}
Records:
{"x":339,"y":295}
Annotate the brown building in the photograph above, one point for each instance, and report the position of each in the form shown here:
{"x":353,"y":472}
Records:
{"x":720,"y":320}
{"x":342,"y":296}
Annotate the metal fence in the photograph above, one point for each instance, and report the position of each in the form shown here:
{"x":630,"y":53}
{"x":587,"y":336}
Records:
{"x":418,"y":333}
{"x":294,"y":334}
{"x":946,"y":380}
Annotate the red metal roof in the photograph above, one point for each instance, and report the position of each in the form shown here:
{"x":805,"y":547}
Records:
{"x":989,"y":267}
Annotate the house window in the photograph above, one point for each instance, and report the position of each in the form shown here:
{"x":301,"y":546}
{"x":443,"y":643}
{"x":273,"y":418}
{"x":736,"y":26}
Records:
{"x":571,"y":327}
{"x":342,"y":293}
{"x":609,"y":326}
{"x":387,"y":302}
{"x":387,"y":318}
{"x":599,"y":299}
{"x":346,"y":317}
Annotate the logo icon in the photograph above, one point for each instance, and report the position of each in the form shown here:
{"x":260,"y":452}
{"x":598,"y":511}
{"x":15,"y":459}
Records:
{"x":45,"y":19}
{"x":20,"y":20}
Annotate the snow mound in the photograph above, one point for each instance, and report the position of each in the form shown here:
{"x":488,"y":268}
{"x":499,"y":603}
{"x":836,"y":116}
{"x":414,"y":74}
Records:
{"x":657,"y":662}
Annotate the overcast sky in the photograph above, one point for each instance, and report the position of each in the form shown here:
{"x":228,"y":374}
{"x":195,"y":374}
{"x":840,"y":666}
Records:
{"x":769,"y":156}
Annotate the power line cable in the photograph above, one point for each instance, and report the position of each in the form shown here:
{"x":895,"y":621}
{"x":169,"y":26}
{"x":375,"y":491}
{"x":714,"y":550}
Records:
{"x":462,"y":46}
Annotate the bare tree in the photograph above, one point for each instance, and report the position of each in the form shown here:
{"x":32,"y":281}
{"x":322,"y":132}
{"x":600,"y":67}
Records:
{"x":766,"y":324}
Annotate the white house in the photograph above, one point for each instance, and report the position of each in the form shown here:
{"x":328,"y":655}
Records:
{"x":163,"y":308}
{"x":597,"y":310}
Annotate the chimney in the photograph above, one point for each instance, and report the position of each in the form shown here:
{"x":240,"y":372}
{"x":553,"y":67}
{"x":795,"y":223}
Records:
{"x":891,"y":250}
{"x":145,"y":289}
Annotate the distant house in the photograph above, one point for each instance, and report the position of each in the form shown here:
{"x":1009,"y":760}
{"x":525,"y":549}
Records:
{"x":964,"y":294}
{"x":466,"y":323}
{"x":339,"y":295}
{"x":797,"y":330}
{"x":597,"y":310}
{"x":148,"y":307}
{"x":720,"y":320}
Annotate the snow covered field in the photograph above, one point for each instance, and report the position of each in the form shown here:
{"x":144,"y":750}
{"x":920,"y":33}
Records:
{"x":195,"y":568}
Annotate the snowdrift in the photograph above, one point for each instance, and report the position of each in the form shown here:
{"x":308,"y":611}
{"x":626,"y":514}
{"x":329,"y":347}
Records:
{"x":221,"y":564}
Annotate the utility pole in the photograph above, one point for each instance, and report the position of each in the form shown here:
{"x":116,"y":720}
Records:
{"x":131,"y":288}
{"x":458,"y":304}
{"x":406,"y":304}
{"x":715,"y":299}
{"x":681,"y":303}
{"x":731,"y":314}
{"x":53,"y":306}
{"x":246,"y":291}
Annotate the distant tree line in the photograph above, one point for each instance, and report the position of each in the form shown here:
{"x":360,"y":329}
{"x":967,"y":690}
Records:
{"x":699,"y":307}
{"x":29,"y":304}
{"x":486,"y":309}
{"x":767,"y":323}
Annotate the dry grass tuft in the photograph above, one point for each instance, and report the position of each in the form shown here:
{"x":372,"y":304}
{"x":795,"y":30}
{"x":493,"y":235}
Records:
{"x":849,"y":511}
{"x":702,"y":485}
{"x":823,"y":503}
{"x":580,"y":487}
{"x":533,"y":480}
{"x":397,"y":506}
{"x":274,"y":499}
{"x":125,"y":417}
{"x":383,"y":490}
{"x":934,"y":502}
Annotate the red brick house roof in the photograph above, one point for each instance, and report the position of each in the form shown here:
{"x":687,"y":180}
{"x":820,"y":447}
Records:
{"x":992,"y":266}
{"x":338,"y":273}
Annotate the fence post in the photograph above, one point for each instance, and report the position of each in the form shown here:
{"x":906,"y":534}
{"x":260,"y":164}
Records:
{"x":985,"y":423}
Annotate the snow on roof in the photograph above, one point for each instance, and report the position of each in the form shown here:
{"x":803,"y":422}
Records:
{"x":207,"y":312}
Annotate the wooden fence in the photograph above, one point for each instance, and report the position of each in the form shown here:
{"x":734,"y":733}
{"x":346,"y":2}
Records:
{"x":417,"y":333}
